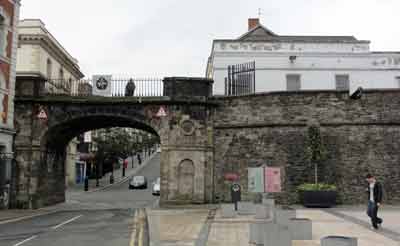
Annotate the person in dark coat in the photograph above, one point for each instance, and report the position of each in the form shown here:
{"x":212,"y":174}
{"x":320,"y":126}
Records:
{"x":130,"y":88}
{"x":374,"y":200}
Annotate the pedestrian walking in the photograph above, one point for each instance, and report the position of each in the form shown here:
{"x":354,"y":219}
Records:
{"x":139,"y":159}
{"x":374,"y":200}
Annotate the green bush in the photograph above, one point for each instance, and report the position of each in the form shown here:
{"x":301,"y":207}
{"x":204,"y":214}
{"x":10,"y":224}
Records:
{"x":319,"y":186}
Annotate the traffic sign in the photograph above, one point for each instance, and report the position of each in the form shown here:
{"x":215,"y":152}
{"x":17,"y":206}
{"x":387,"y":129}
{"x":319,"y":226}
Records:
{"x":42,"y":115}
{"x":161,"y":112}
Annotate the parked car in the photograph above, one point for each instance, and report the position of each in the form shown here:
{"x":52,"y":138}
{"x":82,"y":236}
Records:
{"x":138,"y":182}
{"x":156,"y":187}
{"x":158,"y":150}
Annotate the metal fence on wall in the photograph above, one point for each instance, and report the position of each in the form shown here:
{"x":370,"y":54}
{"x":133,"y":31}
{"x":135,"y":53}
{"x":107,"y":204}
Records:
{"x":143,"y":87}
{"x":241,"y":79}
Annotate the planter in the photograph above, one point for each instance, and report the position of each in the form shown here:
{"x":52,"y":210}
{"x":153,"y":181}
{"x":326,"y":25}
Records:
{"x":318,"y":198}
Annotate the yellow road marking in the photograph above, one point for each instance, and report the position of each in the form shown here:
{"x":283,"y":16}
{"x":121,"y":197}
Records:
{"x":140,"y":243}
{"x":133,"y":234}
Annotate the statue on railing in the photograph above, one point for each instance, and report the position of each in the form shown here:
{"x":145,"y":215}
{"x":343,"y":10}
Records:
{"x":130,"y":88}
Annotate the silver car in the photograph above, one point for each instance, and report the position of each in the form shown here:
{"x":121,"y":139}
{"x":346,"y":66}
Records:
{"x":156,"y":187}
{"x":138,"y":182}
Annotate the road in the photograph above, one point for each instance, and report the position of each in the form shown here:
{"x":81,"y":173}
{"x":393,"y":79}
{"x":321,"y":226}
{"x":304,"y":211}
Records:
{"x":99,"y":218}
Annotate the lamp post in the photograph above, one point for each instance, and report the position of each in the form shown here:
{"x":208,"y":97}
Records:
{"x":97,"y":174}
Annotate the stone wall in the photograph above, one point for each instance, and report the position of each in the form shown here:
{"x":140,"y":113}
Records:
{"x":360,"y":136}
{"x":184,"y":132}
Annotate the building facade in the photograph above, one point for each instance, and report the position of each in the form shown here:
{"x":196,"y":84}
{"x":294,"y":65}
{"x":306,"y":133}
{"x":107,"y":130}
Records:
{"x":9,"y":15}
{"x":43,"y":61}
{"x":303,"y":62}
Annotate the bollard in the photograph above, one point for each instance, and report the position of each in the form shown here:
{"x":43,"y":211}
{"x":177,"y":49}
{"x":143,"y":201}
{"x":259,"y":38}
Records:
{"x":300,"y":229}
{"x":257,"y":231}
{"x":276,"y":235}
{"x":268,"y":201}
{"x":339,"y":241}
{"x":263,"y":211}
{"x":123,"y":172}
{"x":111,"y":179}
{"x":86,"y":183}
{"x":228,"y":211}
{"x":246,"y":208}
{"x":283,"y":216}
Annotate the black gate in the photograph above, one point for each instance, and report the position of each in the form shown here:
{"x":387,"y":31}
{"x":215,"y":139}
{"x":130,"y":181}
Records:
{"x":241,"y":79}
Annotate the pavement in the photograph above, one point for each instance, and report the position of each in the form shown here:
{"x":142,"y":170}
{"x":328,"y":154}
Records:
{"x":204,"y":226}
{"x":111,"y":215}
{"x":115,"y":215}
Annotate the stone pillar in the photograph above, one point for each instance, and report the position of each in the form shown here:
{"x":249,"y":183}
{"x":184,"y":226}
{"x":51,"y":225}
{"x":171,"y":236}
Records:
{"x":187,"y":148}
{"x":39,"y":169}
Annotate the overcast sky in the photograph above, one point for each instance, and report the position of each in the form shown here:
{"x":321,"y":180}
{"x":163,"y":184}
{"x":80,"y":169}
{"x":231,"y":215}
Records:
{"x":157,"y":38}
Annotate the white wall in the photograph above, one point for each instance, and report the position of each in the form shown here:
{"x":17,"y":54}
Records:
{"x":370,"y":70}
{"x":28,"y":58}
{"x":56,"y":66}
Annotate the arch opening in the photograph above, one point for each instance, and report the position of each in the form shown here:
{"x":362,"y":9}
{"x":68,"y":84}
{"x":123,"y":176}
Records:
{"x":56,"y":155}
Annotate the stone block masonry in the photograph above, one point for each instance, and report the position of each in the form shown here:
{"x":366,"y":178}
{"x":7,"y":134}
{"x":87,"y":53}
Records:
{"x":360,"y":136}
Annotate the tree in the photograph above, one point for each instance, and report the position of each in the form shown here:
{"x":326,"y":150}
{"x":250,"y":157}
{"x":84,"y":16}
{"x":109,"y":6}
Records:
{"x":315,"y":148}
{"x":119,"y":143}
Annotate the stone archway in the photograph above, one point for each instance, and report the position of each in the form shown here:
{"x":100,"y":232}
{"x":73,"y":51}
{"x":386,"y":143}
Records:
{"x":184,"y":131}
{"x":186,"y":174}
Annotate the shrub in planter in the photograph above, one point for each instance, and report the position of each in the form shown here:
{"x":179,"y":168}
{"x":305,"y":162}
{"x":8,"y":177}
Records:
{"x":317,"y":195}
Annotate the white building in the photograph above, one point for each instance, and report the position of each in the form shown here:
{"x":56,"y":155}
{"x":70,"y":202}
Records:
{"x":303,"y":62}
{"x":42,"y":58}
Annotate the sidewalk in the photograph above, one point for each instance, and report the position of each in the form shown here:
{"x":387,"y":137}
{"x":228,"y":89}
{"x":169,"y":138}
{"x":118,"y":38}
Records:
{"x":203,"y":227}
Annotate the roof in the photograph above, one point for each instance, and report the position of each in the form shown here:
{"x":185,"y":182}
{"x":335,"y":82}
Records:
{"x":261,"y":33}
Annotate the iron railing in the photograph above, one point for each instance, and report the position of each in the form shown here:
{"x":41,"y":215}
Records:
{"x":241,"y":79}
{"x":143,"y":87}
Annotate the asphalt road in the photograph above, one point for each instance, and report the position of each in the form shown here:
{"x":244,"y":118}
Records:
{"x":99,"y":218}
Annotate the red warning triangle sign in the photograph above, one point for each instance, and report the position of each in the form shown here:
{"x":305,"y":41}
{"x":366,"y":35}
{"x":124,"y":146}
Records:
{"x":161,"y":112}
{"x":42,"y":115}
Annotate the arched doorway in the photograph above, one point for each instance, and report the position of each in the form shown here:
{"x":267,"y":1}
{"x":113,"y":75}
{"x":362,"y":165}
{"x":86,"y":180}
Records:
{"x":186,"y":179}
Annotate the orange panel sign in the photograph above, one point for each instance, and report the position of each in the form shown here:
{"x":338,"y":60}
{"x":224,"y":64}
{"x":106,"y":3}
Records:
{"x":272,"y":179}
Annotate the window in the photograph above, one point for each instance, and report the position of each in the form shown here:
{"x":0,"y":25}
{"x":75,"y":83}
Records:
{"x":61,"y":74}
{"x":2,"y":80}
{"x":3,"y":34}
{"x":293,"y":82}
{"x":49,"y":69}
{"x":342,"y":82}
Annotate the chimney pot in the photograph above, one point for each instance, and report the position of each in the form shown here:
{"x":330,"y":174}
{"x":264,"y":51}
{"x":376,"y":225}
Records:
{"x":253,"y":22}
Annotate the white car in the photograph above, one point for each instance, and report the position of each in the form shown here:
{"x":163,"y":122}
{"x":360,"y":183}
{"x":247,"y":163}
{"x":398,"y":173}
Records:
{"x":156,"y":187}
{"x":158,"y":150}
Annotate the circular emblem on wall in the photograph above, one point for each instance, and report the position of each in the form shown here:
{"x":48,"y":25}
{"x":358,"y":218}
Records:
{"x":101,"y":83}
{"x":187,"y":127}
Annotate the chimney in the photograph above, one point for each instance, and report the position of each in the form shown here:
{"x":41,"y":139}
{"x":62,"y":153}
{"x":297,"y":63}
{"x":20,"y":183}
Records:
{"x":253,"y":22}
